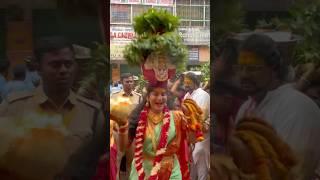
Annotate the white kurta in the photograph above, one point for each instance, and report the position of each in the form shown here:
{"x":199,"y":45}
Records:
{"x":201,"y":152}
{"x":296,"y":118}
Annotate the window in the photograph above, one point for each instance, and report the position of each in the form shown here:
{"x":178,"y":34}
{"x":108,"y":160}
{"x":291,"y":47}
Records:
{"x":207,"y":8}
{"x":193,"y":54}
{"x":197,"y":23}
{"x":120,"y":13}
{"x":197,"y":2}
{"x":169,"y":9}
{"x":183,"y":12}
{"x":207,"y":24}
{"x":196,"y":13}
{"x":184,"y":23}
{"x":193,"y":13}
{"x":139,"y":9}
{"x":183,"y":2}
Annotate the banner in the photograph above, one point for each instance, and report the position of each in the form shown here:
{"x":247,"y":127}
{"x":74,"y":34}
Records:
{"x":126,"y":1}
{"x":134,"y":1}
{"x":150,"y":1}
{"x":116,"y":51}
{"x":195,"y":36}
{"x":121,"y":34}
{"x":115,"y":1}
{"x":165,"y":2}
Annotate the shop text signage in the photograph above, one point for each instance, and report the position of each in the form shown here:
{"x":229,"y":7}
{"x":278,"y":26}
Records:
{"x":195,"y":36}
{"x":121,"y":34}
{"x":166,"y":2}
{"x":116,"y":51}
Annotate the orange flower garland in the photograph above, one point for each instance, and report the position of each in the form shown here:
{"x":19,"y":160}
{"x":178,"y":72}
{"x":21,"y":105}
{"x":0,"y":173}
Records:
{"x":267,"y":148}
{"x":139,"y":139}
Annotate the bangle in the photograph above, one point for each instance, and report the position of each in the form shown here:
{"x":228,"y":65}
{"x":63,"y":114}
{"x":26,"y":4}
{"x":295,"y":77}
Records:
{"x":124,"y":128}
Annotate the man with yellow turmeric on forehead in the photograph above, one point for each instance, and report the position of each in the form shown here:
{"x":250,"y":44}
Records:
{"x":201,"y":152}
{"x":294,"y":116}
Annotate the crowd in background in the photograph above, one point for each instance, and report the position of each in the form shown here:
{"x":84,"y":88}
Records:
{"x":24,"y":77}
{"x":254,"y":79}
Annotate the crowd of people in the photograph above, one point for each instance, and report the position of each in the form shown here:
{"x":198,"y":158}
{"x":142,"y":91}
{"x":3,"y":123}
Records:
{"x":264,"y":123}
{"x":185,"y":86}
{"x":253,"y":84}
{"x":24,"y":78}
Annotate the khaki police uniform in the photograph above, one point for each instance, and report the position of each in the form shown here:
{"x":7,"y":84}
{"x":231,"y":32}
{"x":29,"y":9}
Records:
{"x":83,"y":118}
{"x":134,"y":97}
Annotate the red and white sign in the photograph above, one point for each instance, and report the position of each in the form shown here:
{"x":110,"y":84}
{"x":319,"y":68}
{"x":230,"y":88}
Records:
{"x":165,"y":2}
{"x":115,"y":1}
{"x":121,"y":34}
{"x":134,"y":1}
{"x":151,"y":1}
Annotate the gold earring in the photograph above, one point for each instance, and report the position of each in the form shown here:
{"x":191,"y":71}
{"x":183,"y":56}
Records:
{"x":147,"y":104}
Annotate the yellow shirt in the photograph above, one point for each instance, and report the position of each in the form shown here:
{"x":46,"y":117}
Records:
{"x":78,"y":119}
{"x":134,"y":97}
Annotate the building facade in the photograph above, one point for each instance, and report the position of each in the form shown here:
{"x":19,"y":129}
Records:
{"x":22,"y":23}
{"x":194,"y":29}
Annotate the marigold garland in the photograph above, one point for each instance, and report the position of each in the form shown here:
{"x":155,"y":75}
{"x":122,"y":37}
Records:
{"x":281,"y":170}
{"x":139,"y":139}
{"x":262,"y":169}
{"x":283,"y":150}
{"x":194,"y":115}
{"x":268,"y":149}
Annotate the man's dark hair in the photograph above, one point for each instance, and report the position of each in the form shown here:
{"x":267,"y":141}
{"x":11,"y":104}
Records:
{"x":230,"y":52}
{"x":50,"y":44}
{"x":264,"y":47}
{"x":4,"y":65}
{"x":193,"y":77}
{"x":19,"y":71}
{"x":125,"y":75}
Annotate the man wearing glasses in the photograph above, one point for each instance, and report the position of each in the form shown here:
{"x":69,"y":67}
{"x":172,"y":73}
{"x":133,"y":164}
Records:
{"x":294,"y":116}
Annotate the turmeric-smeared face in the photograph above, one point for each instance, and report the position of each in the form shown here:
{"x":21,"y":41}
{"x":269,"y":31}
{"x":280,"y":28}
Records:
{"x":253,"y":72}
{"x":249,"y":58}
{"x":188,"y":84}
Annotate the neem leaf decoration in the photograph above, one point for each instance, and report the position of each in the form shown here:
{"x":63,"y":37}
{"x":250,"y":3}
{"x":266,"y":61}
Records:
{"x":156,"y":32}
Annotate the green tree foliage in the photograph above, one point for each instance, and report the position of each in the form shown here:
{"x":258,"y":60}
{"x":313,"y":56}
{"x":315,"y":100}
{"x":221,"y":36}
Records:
{"x":96,"y":73}
{"x":228,"y":17}
{"x":156,"y":33}
{"x":304,"y":20}
{"x":205,"y":71}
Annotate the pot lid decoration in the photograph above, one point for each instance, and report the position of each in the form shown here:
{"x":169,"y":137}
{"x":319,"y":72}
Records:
{"x":158,"y":48}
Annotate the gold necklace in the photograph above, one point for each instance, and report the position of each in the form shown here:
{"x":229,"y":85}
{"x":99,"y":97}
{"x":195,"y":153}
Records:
{"x":155,"y":118}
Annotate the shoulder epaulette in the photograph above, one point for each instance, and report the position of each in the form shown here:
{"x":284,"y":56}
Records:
{"x":89,"y":102}
{"x":16,"y":96}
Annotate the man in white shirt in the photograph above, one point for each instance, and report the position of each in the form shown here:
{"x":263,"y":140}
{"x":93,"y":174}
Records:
{"x":201,"y":152}
{"x":295,"y":117}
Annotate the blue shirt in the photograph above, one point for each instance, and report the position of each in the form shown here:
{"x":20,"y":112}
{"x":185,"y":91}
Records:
{"x":3,"y":82}
{"x":32,"y":78}
{"x":15,"y":86}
